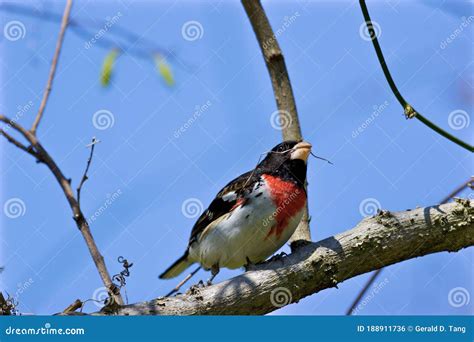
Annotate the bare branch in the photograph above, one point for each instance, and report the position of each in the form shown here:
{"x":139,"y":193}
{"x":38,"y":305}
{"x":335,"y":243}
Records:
{"x":54,"y":64}
{"x":282,"y":89}
{"x":378,"y":241}
{"x":18,"y":144}
{"x":84,"y":176}
{"x":374,"y":276}
{"x":410,"y":112}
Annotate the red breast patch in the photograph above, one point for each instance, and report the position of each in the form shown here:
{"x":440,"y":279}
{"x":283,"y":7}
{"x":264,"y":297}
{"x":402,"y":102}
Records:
{"x":288,"y":198}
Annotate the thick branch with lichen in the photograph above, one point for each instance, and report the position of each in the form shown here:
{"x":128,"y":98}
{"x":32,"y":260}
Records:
{"x":379,"y":241}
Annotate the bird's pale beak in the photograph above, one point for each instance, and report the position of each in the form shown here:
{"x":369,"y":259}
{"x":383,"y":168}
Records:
{"x":301,"y":151}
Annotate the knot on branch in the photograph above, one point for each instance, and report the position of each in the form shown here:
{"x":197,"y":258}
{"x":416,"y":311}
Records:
{"x":409,"y":111}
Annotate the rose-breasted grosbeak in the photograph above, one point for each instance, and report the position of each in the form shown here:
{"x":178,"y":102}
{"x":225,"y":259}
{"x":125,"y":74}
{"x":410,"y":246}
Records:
{"x":252,"y":216}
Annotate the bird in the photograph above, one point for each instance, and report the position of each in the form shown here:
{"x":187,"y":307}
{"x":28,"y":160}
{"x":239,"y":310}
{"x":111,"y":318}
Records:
{"x":252,"y":217}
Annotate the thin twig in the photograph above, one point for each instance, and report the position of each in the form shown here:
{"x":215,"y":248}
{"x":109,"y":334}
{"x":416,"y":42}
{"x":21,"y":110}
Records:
{"x":182,"y":282}
{"x":409,"y":111}
{"x":138,"y":45}
{"x":52,"y":70}
{"x":74,"y":306}
{"x":84,"y":176}
{"x":282,"y":90}
{"x":18,"y":144}
{"x":374,"y":276}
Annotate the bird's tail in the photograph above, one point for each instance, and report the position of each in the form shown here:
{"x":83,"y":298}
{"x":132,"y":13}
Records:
{"x":178,"y":267}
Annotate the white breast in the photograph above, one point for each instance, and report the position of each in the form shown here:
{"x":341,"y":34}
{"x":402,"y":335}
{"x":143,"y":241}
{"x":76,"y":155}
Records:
{"x":242,"y":234}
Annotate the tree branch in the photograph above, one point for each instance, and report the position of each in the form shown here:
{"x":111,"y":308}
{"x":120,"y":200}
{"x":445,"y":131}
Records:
{"x":282,"y":90}
{"x":84,"y":176}
{"x":44,"y":157}
{"x":52,"y":70}
{"x":378,"y":241}
{"x":374,"y":276}
{"x":38,"y":151}
{"x":409,"y":111}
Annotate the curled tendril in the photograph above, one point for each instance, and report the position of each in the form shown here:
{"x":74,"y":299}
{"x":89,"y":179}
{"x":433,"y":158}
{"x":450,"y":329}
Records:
{"x":119,"y":278}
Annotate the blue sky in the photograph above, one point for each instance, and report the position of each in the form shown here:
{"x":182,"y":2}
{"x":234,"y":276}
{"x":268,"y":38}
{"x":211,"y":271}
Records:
{"x":145,"y":171}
